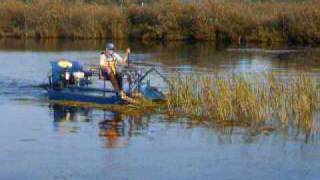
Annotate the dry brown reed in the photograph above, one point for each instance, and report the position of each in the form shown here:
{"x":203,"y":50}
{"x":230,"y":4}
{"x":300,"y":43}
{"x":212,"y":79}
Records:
{"x":217,"y":20}
{"x":57,"y":18}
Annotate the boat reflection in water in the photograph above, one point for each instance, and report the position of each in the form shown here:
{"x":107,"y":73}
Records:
{"x":66,"y":118}
{"x":69,"y":113}
{"x":114,"y":128}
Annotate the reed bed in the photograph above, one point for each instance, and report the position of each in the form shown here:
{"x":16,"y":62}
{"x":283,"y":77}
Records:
{"x":254,"y":100}
{"x":272,"y":22}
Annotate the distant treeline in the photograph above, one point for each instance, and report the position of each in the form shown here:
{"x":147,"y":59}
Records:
{"x":294,"y":22}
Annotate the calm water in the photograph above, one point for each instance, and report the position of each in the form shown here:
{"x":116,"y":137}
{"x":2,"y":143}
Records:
{"x":40,"y":140}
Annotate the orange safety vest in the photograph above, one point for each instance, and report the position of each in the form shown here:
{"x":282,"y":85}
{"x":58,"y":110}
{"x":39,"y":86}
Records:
{"x":112,"y":65}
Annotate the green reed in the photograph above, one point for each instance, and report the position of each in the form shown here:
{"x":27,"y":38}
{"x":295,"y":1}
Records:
{"x":248,"y":98}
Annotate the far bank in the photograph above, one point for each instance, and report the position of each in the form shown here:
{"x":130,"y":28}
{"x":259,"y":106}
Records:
{"x":293,"y":23}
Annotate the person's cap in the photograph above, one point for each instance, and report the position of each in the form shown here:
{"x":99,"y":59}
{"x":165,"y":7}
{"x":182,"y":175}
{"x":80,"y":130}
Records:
{"x":110,"y":46}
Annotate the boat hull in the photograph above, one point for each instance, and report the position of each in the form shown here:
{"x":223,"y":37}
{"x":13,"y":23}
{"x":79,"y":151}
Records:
{"x":65,"y":95}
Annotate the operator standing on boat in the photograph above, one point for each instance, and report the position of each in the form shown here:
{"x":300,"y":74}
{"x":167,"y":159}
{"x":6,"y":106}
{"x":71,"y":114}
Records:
{"x":108,"y":65}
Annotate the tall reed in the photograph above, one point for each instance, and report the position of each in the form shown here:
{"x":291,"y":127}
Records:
{"x":248,"y":98}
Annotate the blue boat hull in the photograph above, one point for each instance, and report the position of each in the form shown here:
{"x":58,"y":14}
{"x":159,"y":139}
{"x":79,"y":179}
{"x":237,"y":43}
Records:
{"x":65,"y":95}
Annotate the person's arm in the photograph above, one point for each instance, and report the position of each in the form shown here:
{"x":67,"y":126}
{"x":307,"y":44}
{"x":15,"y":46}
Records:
{"x":126,"y":58}
{"x":120,"y":59}
{"x":102,"y":59}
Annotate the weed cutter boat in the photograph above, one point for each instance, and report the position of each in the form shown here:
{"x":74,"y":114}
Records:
{"x":70,"y":81}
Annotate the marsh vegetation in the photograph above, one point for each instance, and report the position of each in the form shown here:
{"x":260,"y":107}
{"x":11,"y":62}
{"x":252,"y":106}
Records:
{"x":272,"y":22}
{"x":255,"y":100}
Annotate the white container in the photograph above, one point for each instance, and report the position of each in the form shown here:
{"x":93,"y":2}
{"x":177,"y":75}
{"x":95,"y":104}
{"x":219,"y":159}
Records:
{"x":78,"y":75}
{"x":67,"y":76}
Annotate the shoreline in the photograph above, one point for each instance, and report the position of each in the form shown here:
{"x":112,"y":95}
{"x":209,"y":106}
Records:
{"x":98,"y":43}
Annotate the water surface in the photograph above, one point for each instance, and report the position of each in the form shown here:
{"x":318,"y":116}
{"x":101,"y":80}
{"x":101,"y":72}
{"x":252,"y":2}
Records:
{"x":41,"y":140}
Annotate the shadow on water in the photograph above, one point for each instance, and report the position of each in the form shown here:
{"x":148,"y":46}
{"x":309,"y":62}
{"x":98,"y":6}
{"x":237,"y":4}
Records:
{"x":304,"y":131}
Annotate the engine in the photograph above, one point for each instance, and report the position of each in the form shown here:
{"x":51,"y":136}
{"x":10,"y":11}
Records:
{"x":66,"y":73}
